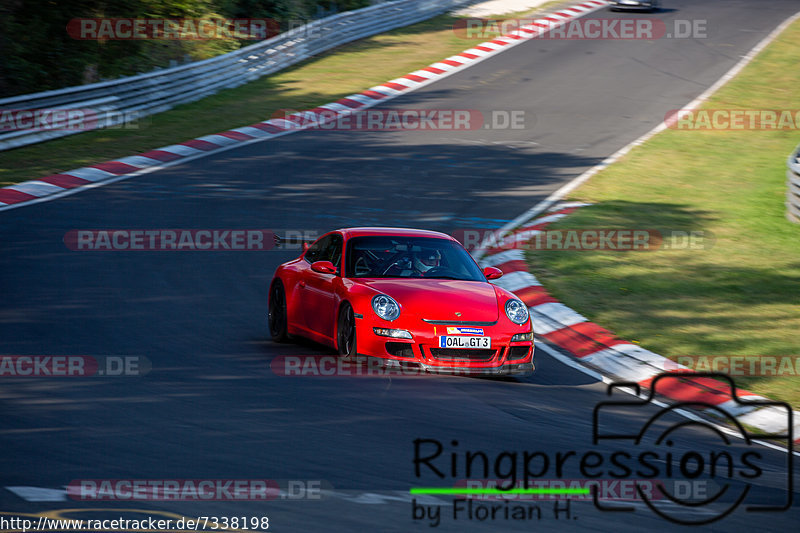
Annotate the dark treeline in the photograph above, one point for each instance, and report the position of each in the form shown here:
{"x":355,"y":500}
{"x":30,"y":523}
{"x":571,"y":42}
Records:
{"x":38,"y":53}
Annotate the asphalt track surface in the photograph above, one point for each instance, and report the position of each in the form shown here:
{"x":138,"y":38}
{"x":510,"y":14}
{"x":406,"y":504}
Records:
{"x":212,"y":408}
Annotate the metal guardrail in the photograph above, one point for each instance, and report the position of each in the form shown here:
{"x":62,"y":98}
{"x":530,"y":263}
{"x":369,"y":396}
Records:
{"x":111,"y":103}
{"x":793,"y":184}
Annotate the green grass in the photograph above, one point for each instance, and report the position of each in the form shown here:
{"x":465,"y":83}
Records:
{"x":739,"y":294}
{"x":345,"y":70}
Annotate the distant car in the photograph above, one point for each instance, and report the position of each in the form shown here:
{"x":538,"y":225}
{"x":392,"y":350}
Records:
{"x":647,"y":5}
{"x":412,"y":298}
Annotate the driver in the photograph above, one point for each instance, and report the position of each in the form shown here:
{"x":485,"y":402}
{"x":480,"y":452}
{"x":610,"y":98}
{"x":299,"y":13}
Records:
{"x":416,"y":263}
{"x":426,"y":259}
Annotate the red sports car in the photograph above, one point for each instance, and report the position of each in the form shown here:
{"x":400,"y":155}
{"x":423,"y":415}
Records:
{"x":413,"y":298}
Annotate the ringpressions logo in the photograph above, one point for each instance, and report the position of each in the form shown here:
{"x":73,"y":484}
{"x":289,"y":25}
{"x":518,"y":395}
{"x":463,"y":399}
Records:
{"x":691,"y":470}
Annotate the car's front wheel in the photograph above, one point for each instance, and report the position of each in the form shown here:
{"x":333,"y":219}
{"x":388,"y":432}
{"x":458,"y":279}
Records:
{"x":346,"y":333}
{"x":278,"y":323}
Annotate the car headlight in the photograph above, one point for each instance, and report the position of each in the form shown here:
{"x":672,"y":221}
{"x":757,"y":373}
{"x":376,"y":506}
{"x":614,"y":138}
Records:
{"x":522,"y":337}
{"x":516,"y":311}
{"x":394,"y":333}
{"x":385,"y":307}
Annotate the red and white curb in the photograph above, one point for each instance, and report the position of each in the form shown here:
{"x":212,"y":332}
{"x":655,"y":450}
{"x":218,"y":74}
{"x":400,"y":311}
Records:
{"x":597,"y":348}
{"x":71,"y":181}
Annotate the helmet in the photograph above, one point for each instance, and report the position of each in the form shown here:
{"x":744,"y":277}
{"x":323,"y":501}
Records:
{"x":427,"y":259}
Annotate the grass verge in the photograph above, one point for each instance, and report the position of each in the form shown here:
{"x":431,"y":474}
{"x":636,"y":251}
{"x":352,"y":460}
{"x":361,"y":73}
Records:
{"x":323,"y":79}
{"x":737,"y":293}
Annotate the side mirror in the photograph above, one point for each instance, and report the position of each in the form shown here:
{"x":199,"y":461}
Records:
{"x":324,"y":267}
{"x":306,"y":246}
{"x":489,"y":272}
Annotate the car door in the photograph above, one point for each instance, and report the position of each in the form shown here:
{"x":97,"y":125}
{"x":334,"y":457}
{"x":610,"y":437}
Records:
{"x":318,"y":294}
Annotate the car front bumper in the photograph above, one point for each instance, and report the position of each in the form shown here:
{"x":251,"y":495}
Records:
{"x":423,"y":353}
{"x":636,"y":5}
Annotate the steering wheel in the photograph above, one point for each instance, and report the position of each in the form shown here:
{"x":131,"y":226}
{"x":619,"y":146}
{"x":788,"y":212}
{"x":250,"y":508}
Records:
{"x":396,"y":260}
{"x":438,"y":271}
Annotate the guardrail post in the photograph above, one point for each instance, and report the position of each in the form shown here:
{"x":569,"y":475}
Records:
{"x":793,"y":186}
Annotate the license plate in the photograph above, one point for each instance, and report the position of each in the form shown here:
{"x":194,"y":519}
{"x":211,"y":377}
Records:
{"x":461,"y":341}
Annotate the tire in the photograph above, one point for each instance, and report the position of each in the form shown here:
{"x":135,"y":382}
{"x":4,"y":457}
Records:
{"x":346,"y":333}
{"x":278,"y":322}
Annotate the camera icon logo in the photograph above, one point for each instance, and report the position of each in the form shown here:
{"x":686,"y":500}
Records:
{"x":722,"y":458}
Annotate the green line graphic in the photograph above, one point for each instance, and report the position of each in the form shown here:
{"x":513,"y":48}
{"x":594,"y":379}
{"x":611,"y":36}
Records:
{"x":458,"y":490}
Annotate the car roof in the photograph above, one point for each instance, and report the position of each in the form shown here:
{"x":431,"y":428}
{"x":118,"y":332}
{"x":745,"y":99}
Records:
{"x":392,"y":232}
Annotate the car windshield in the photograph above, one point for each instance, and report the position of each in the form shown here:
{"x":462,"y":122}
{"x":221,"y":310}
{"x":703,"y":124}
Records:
{"x":409,"y":257}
